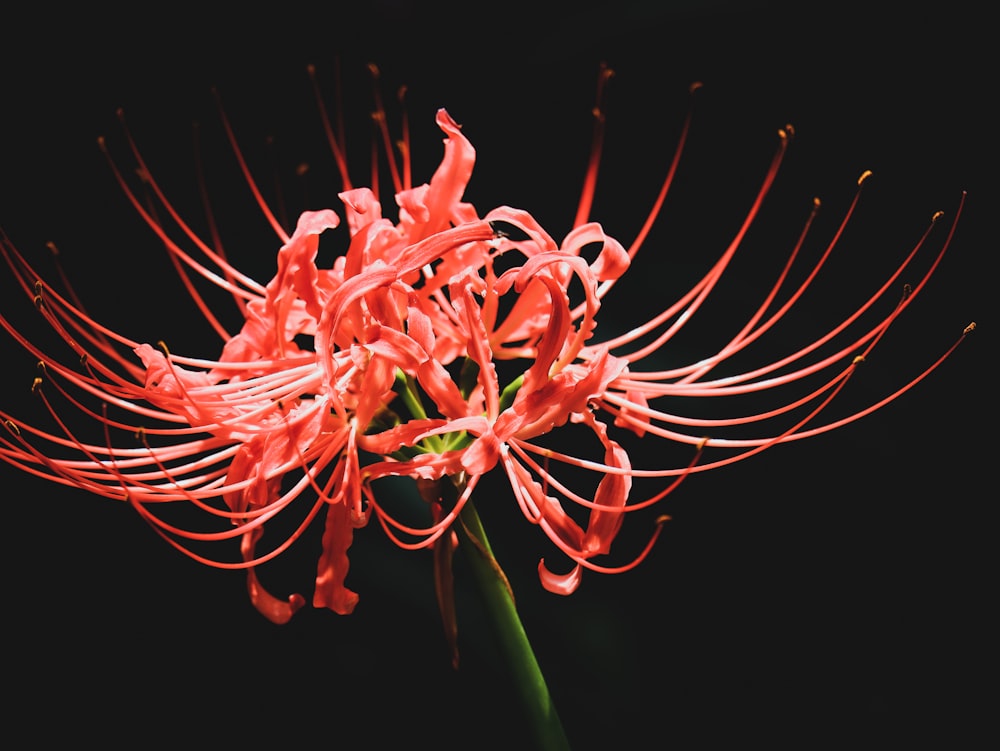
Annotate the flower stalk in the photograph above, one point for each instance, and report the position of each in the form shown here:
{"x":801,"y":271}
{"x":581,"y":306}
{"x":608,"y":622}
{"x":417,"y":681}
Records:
{"x":533,"y":692}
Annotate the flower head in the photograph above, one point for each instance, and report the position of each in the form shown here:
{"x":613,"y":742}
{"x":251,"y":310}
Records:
{"x":442,"y":345}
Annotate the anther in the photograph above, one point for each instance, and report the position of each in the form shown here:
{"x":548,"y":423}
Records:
{"x":694,"y":87}
{"x":864,"y":176}
{"x":12,"y":427}
{"x":663,"y":519}
{"x":937,"y":215}
{"x":163,"y":345}
{"x":969,"y":329}
{"x":36,"y":385}
{"x":858,"y":360}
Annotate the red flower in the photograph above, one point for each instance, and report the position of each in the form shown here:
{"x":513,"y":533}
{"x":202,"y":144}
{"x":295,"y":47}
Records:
{"x":273,"y":420}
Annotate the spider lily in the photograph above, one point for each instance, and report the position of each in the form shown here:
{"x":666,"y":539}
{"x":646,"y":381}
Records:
{"x":411,"y":329}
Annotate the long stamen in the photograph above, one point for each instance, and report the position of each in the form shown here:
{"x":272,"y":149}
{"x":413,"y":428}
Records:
{"x":693,"y":299}
{"x":382,"y":126}
{"x":596,"y":147}
{"x":247,"y":175}
{"x":334,"y":137}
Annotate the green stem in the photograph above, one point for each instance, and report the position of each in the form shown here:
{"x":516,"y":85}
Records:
{"x":518,"y":655}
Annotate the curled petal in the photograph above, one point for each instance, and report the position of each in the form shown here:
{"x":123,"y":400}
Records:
{"x":297,"y":265}
{"x":338,"y":534}
{"x":560,"y":584}
{"x":611,"y":262}
{"x":430,"y":209}
{"x":362,"y":208}
{"x":342,"y":516}
{"x":273,"y":608}
{"x":612,"y":493}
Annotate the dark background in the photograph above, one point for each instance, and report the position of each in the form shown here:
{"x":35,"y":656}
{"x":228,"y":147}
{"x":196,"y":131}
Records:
{"x":835,"y":591}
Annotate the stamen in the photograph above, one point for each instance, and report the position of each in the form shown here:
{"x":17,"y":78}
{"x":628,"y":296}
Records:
{"x":247,"y":175}
{"x":335,"y":138}
{"x":597,"y":146}
{"x":404,"y":143}
{"x":379,"y":118}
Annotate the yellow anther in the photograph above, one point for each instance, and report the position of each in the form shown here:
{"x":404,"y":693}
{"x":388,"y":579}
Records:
{"x":969,"y":329}
{"x":864,"y":176}
{"x":858,"y":360}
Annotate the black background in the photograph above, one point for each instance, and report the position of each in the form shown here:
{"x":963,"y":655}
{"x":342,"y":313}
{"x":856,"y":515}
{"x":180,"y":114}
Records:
{"x":838,"y":591}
